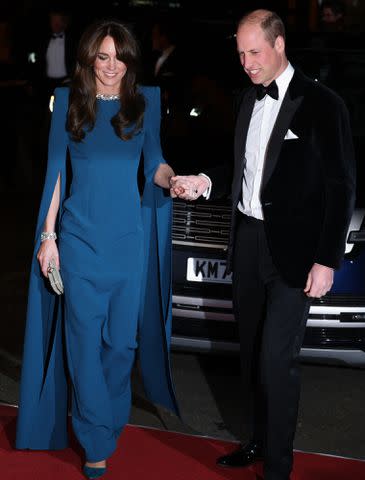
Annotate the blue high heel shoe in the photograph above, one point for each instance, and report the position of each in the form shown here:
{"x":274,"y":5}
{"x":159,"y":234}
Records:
{"x":93,"y":472}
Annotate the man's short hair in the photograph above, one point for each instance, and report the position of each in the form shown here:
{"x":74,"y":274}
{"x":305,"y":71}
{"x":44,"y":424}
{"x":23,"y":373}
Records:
{"x":270,"y":22}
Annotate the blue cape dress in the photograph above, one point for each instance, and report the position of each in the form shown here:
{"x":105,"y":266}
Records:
{"x":43,"y":407}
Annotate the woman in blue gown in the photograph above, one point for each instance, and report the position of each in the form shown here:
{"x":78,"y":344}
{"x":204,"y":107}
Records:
{"x":113,"y":251}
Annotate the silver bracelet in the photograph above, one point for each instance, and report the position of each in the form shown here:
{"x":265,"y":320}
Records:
{"x":48,"y":236}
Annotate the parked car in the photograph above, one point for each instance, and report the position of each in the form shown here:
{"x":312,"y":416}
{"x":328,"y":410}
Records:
{"x":202,"y":306}
{"x":202,"y":292}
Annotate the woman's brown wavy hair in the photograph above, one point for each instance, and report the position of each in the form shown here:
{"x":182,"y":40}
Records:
{"x":82,"y":104}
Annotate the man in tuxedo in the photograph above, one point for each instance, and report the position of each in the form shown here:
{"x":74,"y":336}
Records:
{"x":292,"y":200}
{"x":167,"y":68}
{"x":166,"y":65}
{"x":55,"y":55}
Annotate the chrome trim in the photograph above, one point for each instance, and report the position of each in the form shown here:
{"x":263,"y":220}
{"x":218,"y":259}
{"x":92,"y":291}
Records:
{"x":180,"y":302}
{"x":202,"y":302}
{"x":202,"y":315}
{"x":323,"y":323}
{"x":203,"y":345}
{"x":215,"y":216}
{"x":355,"y":224}
{"x":353,"y":358}
{"x":196,"y":244}
{"x":201,"y":208}
{"x":319,"y":310}
{"x":182,"y":312}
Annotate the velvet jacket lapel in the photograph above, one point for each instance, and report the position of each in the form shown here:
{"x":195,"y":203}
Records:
{"x":242,"y":124}
{"x":293,"y":98}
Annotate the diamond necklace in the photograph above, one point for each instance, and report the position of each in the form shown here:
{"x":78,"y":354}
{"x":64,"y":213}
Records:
{"x":102,"y":96}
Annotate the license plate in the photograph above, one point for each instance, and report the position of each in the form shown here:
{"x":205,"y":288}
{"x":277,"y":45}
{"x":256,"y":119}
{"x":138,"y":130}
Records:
{"x":207,"y":270}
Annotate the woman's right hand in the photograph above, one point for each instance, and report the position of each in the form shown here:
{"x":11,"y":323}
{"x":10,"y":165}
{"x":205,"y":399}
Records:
{"x":47,"y":251}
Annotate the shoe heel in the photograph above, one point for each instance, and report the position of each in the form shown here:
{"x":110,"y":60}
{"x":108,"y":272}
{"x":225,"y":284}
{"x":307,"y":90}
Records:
{"x":92,"y":472}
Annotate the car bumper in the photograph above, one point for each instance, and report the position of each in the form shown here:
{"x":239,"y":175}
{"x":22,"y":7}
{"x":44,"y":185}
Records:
{"x":334,"y":334}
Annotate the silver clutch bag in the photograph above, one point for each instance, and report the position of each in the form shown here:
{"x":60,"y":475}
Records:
{"x":55,"y":278}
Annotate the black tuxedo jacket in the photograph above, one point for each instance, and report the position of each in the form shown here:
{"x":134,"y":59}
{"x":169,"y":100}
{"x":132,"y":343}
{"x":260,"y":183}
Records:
{"x":308,"y":184}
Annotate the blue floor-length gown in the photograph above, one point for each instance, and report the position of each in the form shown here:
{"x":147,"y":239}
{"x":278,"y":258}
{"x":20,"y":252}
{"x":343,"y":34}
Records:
{"x":115,"y":264}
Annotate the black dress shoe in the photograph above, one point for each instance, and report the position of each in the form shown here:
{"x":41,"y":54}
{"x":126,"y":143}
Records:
{"x":242,"y":457}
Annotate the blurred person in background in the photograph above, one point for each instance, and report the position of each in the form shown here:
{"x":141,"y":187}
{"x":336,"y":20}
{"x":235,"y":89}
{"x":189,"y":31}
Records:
{"x":167,"y":68}
{"x":53,"y":60}
{"x":332,"y":16}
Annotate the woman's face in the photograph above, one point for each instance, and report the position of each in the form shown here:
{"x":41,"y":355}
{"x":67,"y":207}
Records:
{"x":108,"y":70}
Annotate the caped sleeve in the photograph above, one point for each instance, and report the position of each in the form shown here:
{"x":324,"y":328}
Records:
{"x":152,"y":151}
{"x":156,"y":290}
{"x":57,"y":148}
{"x":155,"y":320}
{"x":42,"y":413}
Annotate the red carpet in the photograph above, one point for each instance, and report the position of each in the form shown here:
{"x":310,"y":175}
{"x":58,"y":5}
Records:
{"x":151,"y":454}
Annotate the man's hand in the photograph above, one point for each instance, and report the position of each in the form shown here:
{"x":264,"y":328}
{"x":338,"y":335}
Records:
{"x":175,"y":190}
{"x":319,"y":281}
{"x":188,"y":187}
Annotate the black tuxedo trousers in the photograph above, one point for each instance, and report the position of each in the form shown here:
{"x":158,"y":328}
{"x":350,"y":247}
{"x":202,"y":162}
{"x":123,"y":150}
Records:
{"x":272,"y":317}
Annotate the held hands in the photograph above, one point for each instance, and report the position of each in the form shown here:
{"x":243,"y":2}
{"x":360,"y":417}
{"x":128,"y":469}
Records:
{"x":319,"y":281}
{"x":188,"y":187}
{"x":48,"y":251}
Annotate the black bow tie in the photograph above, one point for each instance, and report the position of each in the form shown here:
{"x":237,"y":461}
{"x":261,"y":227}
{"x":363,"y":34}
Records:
{"x":57,"y":35}
{"x":271,"y":89}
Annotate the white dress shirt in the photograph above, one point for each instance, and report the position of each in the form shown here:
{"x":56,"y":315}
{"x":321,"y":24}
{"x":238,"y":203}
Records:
{"x":55,"y":58}
{"x":262,"y":121}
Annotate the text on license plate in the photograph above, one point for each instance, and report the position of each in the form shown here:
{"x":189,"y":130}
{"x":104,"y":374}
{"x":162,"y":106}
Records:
{"x":207,"y":270}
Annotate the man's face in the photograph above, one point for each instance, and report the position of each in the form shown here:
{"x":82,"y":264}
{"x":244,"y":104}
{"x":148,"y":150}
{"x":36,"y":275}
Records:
{"x":328,"y":16}
{"x":57,"y":22}
{"x":261,"y":61}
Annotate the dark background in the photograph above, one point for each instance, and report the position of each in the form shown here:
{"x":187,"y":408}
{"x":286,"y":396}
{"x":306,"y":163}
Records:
{"x":206,"y":34}
{"x":332,"y":403}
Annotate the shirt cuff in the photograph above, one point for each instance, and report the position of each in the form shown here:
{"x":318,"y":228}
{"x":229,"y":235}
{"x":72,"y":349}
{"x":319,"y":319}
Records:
{"x":206,"y":193}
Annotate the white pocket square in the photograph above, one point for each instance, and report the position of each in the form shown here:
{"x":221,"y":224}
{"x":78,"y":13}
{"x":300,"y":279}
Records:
{"x":290,"y":135}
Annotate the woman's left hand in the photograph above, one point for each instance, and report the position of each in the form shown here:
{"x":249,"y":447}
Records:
{"x":175,"y":190}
